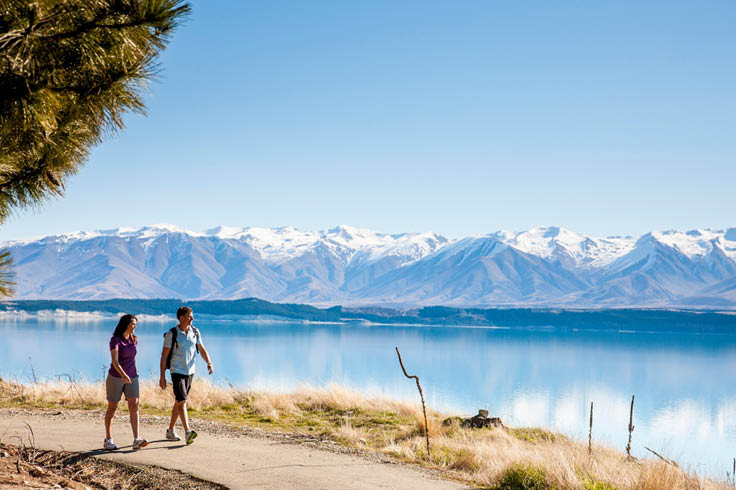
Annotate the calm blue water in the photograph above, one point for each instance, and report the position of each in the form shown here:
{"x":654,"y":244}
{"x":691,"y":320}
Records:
{"x":684,"y":383}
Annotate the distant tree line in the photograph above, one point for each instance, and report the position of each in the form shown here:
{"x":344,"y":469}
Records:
{"x":612,"y":319}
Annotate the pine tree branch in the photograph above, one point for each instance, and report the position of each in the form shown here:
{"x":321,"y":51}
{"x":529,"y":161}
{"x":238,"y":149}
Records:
{"x":7,"y":274}
{"x":66,"y":78}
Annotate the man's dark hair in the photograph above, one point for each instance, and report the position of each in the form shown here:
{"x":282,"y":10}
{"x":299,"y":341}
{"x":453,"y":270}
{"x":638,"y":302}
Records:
{"x":183,"y":310}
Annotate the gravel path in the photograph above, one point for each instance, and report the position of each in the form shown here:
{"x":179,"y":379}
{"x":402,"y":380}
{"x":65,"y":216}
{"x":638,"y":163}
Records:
{"x":231,"y":457}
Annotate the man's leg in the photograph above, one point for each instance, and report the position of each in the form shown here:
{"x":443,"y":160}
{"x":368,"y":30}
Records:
{"x":176,"y":386}
{"x":186,"y":383}
{"x":182,"y":406}
{"x":174,"y":415}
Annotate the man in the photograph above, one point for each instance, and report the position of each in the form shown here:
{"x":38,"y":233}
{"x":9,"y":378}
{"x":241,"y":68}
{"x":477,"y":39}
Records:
{"x":186,"y":343}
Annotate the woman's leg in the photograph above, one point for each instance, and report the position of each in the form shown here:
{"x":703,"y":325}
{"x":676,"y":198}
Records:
{"x":111,"y":407}
{"x":133,"y":409}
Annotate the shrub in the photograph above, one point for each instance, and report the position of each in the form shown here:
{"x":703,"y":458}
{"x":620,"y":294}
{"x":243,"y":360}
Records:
{"x":521,"y":477}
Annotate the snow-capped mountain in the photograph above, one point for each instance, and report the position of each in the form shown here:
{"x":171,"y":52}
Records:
{"x":568,"y":247}
{"x":543,"y":266}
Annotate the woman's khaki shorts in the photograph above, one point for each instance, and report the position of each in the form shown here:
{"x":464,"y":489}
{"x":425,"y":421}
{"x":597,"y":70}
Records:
{"x":115,"y":388}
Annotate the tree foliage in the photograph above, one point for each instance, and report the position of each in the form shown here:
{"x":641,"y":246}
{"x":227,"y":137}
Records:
{"x":69,"y":71}
{"x":7,"y":284}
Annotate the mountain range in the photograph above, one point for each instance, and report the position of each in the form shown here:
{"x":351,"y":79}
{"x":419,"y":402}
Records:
{"x":546,"y":266}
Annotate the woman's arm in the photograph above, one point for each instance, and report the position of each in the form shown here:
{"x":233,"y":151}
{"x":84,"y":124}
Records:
{"x":118,"y":368}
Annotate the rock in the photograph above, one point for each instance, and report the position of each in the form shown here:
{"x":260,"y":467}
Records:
{"x":482,"y":420}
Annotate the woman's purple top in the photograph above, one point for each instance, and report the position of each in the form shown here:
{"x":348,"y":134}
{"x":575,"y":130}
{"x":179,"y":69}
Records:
{"x":126,"y":356}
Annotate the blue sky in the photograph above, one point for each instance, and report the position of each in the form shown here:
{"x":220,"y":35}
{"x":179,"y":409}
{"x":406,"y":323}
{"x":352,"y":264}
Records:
{"x":456,"y":117}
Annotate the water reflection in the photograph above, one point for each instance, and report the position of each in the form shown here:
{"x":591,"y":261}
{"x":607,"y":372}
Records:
{"x":685,"y":408}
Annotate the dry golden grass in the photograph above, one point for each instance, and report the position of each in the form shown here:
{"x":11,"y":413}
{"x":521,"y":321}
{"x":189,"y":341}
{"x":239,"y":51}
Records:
{"x":492,"y":458}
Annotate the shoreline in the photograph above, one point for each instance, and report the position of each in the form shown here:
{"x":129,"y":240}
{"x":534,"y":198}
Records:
{"x":387,"y":429}
{"x":727,"y":328}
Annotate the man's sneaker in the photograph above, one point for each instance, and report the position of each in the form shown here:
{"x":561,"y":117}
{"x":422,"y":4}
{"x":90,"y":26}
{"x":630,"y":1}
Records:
{"x":109,"y":444}
{"x":191,"y":435}
{"x":138,"y":443}
{"x":171,"y":435}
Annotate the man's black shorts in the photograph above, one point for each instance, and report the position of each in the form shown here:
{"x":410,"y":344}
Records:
{"x":182,"y":384}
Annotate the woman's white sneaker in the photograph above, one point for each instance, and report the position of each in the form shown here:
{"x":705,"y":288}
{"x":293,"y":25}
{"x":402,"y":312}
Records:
{"x":109,"y":444}
{"x":172,"y":435}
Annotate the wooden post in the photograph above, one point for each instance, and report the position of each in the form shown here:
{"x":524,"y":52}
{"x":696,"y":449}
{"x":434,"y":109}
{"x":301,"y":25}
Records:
{"x":590,"y":431}
{"x":631,"y":428}
{"x":421,"y":395}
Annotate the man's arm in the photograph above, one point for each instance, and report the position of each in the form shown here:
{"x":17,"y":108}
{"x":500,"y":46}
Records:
{"x":206,"y":356}
{"x":162,"y":365}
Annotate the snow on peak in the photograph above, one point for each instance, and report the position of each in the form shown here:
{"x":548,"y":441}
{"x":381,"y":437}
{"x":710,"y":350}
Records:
{"x":553,"y":242}
{"x":699,"y":242}
{"x":224,"y":232}
{"x":692,"y":243}
{"x":279,"y":244}
{"x":153,"y":231}
{"x":544,"y":241}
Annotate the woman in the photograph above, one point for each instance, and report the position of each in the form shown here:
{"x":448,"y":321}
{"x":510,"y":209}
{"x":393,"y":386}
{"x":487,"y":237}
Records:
{"x":123,"y":378}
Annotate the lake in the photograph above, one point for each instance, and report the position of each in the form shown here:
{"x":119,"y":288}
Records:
{"x":685,"y":405}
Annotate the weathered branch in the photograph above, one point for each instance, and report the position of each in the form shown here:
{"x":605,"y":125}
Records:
{"x":631,"y":428}
{"x":590,"y":431}
{"x":668,"y":461}
{"x":421,"y":395}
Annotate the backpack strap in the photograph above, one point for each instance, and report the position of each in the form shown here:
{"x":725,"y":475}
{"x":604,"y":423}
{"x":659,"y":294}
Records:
{"x":174,"y":344}
{"x":196,"y":334}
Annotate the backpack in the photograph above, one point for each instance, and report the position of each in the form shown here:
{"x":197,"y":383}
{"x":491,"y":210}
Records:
{"x":175,"y":345}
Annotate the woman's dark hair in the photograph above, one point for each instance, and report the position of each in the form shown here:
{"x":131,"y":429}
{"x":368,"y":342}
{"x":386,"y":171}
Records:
{"x":123,"y":325}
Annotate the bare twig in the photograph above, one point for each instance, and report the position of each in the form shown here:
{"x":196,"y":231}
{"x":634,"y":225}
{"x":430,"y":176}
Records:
{"x":421,"y":395}
{"x":73,"y":385}
{"x":590,"y":431}
{"x":31,"y":435}
{"x":30,"y":450}
{"x":33,"y":371}
{"x":668,"y":461}
{"x":631,"y":428}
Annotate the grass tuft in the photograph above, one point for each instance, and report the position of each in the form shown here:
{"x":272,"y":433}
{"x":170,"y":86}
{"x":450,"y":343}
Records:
{"x":593,"y":484}
{"x":533,"y":434}
{"x":523,"y":477}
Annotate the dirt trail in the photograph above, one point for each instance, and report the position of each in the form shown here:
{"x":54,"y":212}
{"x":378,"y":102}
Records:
{"x":237,"y":462}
